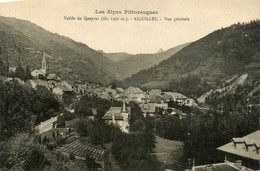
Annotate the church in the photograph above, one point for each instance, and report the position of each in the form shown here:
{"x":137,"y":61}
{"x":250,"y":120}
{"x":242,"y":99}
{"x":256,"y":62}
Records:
{"x":120,"y":116}
{"x":41,"y":72}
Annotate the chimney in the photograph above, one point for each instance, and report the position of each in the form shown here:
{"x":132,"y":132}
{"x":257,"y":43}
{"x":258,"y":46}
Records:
{"x":238,"y":164}
{"x":113,"y":118}
{"x":234,"y":143}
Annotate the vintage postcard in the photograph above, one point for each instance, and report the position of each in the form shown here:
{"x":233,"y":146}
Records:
{"x":130,"y":85}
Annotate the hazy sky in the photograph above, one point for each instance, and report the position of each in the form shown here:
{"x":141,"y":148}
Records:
{"x":133,"y":36}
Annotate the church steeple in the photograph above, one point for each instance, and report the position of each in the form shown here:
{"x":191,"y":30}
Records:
{"x":123,"y":110}
{"x":44,"y":66}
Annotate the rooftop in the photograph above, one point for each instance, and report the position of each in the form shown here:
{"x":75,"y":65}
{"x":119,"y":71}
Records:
{"x":247,"y":146}
{"x":116,"y":111}
{"x":227,"y":166}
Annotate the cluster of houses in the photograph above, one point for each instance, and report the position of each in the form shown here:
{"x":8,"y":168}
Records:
{"x":154,"y":100}
{"x":151,"y":102}
{"x":50,"y":81}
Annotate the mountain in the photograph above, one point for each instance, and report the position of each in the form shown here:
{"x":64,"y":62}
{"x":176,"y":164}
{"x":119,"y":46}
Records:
{"x":24,"y":42}
{"x":130,"y":64}
{"x":160,"y":50}
{"x":204,"y":64}
{"x":117,"y":57}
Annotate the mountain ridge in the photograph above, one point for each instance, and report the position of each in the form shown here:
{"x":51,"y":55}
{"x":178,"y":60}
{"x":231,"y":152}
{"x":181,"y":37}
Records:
{"x":68,"y":58}
{"x":132,"y":64}
{"x":80,"y":60}
{"x":227,"y":51}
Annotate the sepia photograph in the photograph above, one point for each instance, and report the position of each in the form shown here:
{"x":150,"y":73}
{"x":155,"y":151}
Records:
{"x":130,"y":85}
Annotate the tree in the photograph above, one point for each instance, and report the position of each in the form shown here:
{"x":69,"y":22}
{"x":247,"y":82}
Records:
{"x":23,"y":154}
{"x":14,"y":113}
{"x":138,"y":126}
{"x":87,"y":104}
{"x":136,"y":113}
{"x":91,"y":164}
{"x":3,"y":67}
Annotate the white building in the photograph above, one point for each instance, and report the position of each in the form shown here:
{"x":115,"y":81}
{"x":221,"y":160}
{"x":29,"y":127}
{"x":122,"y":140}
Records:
{"x":119,"y":116}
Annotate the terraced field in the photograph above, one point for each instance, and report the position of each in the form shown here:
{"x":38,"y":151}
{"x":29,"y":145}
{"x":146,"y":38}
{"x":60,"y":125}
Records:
{"x":82,"y":150}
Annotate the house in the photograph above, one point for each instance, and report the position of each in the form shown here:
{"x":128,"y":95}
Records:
{"x":176,"y":112}
{"x":133,"y":90}
{"x":58,"y":91}
{"x":122,"y":97}
{"x":190,"y":102}
{"x":148,"y":109}
{"x":137,"y":97}
{"x":61,"y":88}
{"x":246,"y":149}
{"x":225,"y":166}
{"x":12,"y":69}
{"x":162,"y":105}
{"x":80,"y":88}
{"x":176,"y":96}
{"x":119,"y":90}
{"x":166,"y":97}
{"x":19,"y":81}
{"x":111,"y":92}
{"x":104,"y":95}
{"x":159,"y":103}
{"x":52,"y":77}
{"x":46,"y":125}
{"x":37,"y":73}
{"x":120,"y":116}
{"x":33,"y":83}
{"x":155,"y":92}
{"x":179,"y":98}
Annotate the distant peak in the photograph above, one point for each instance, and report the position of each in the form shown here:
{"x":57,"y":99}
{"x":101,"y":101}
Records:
{"x":160,"y":50}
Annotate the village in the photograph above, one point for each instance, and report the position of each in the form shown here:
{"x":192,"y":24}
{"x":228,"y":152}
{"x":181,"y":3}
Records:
{"x":64,"y":139}
{"x":153,"y":103}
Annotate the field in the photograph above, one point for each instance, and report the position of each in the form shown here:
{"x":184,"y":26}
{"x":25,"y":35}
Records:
{"x":156,"y":84}
{"x":168,"y":151}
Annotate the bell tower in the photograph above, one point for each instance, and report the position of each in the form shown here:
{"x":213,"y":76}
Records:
{"x":44,"y":66}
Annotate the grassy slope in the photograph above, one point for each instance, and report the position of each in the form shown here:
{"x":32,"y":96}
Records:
{"x":168,"y":150}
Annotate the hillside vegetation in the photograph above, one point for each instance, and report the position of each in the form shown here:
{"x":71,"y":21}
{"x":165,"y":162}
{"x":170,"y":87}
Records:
{"x":131,"y":64}
{"x":204,"y":64}
{"x":24,"y":42}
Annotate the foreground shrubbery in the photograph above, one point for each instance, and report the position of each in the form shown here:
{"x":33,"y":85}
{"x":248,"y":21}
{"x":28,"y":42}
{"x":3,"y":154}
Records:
{"x":97,"y":131}
{"x":21,"y":108}
{"x":22,"y":153}
{"x":133,"y":151}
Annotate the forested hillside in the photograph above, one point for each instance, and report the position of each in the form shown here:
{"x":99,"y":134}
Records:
{"x":205,"y":63}
{"x":22,"y":42}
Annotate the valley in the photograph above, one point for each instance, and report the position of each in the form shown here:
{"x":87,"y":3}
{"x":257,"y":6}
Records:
{"x":66,"y":106}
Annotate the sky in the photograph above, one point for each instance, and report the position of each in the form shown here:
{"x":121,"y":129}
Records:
{"x":131,"y":36}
